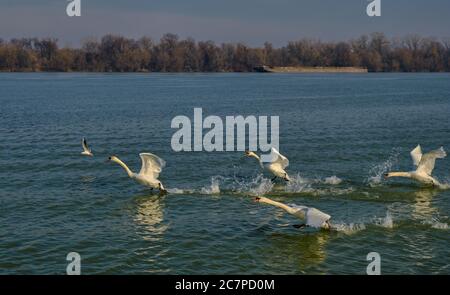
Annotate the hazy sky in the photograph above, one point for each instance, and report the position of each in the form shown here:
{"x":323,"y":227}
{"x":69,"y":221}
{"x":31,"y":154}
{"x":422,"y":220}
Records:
{"x":249,"y":21}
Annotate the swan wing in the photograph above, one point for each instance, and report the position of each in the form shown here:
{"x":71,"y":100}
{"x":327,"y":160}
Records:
{"x":279,"y":159}
{"x":316,"y":218}
{"x":416,"y":155}
{"x":85,"y":145}
{"x":428,"y":160}
{"x":152,"y":165}
{"x":312,"y":216}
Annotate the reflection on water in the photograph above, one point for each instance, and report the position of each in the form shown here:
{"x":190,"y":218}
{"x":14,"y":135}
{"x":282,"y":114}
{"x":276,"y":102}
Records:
{"x":422,"y":208}
{"x":149,"y":217}
{"x":307,"y":249}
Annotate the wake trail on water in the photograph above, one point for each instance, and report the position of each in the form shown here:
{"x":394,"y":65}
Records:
{"x":354,"y":227}
{"x":396,"y":214}
{"x":260,"y":185}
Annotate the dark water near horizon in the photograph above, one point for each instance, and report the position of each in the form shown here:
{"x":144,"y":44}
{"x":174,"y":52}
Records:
{"x":341,"y":132}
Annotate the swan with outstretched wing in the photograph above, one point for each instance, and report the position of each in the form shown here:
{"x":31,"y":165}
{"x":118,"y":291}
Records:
{"x":312,"y":216}
{"x":424,"y":166}
{"x":276,"y":165}
{"x":152,"y":166}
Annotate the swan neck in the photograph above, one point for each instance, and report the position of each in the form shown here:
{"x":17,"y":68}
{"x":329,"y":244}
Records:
{"x":124,"y":166}
{"x":279,"y":205}
{"x":257,"y":158}
{"x":400,"y":174}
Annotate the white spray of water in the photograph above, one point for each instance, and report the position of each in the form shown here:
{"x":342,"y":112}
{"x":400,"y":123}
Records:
{"x":350,"y":228}
{"x":175,"y":191}
{"x":439,"y":225}
{"x":260,"y":185}
{"x":256,"y":187}
{"x":387,"y":221}
{"x":298,"y":184}
{"x":436,"y":224}
{"x":333,"y":180}
{"x":445,"y":185}
{"x":213,"y":188}
{"x":377,"y":171}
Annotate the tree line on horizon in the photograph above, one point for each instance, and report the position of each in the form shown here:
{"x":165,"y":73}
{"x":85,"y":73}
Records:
{"x":114,"y":53}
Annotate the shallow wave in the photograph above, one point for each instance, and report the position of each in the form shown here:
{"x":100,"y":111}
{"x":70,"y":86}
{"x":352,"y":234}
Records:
{"x":436,"y":224}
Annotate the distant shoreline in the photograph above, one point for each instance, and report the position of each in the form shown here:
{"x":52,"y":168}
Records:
{"x":296,"y":70}
{"x":374,"y":53}
{"x":286,"y":72}
{"x":275,"y":70}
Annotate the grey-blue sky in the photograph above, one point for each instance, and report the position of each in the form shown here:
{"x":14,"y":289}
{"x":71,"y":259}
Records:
{"x":249,"y":21}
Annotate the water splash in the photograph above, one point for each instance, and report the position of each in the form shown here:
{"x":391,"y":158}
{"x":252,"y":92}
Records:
{"x":439,"y":225}
{"x":213,"y":188}
{"x":255,"y":187}
{"x":376,"y":172}
{"x":333,"y":180}
{"x":299,"y":184}
{"x":221,"y":184}
{"x":388,"y":221}
{"x":260,"y":185}
{"x":176,"y":191}
{"x":445,"y":185}
{"x":350,"y":228}
{"x":436,"y":224}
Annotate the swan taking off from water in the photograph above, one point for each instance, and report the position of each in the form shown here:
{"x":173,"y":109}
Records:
{"x":86,"y":150}
{"x":152,"y":165}
{"x":276,"y":166}
{"x":312,"y":216}
{"x":425,"y":165}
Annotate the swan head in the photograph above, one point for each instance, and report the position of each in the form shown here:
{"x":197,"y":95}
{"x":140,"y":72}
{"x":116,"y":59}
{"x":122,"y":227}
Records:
{"x":250,"y":154}
{"x":259,"y":199}
{"x":113,"y":158}
{"x":326,"y":225}
{"x":387,"y":175}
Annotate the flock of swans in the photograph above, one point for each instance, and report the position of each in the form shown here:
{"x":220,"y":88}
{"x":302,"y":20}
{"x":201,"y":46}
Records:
{"x":152,"y":166}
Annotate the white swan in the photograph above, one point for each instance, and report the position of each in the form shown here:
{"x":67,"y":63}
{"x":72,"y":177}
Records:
{"x":425,"y":165}
{"x":312,"y":216}
{"x":276,"y":166}
{"x":152,"y":165}
{"x":86,"y":150}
